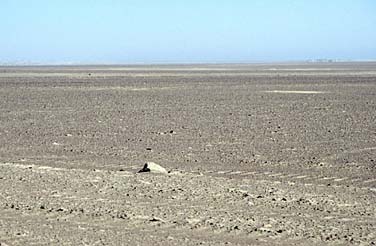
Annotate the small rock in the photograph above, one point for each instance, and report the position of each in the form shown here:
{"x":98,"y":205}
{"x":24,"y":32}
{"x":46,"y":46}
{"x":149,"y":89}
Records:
{"x":193,"y":220}
{"x":153,"y":168}
{"x":156,"y":219}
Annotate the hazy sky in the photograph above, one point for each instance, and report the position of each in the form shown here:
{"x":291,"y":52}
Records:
{"x":140,"y":31}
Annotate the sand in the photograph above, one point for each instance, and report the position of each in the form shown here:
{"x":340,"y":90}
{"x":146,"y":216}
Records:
{"x":262,"y":154}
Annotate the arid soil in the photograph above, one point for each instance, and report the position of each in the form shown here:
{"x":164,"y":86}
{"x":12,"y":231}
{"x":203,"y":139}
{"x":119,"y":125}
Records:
{"x":261,"y":154}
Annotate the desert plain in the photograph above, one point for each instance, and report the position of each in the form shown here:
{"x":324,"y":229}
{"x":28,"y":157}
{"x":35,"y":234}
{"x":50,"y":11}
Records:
{"x":257,"y":154}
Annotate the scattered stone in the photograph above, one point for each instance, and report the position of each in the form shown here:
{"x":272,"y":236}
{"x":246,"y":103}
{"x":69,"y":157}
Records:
{"x":193,"y":221}
{"x":178,"y":173}
{"x":153,"y":168}
{"x":156,"y":219}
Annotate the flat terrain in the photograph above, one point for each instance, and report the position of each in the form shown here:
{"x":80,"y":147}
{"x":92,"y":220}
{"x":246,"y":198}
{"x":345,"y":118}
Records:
{"x":258,"y":154}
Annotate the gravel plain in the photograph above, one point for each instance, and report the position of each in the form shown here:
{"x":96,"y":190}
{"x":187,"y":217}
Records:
{"x":257,"y":154}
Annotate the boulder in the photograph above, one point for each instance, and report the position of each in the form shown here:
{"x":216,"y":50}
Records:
{"x":153,"y":168}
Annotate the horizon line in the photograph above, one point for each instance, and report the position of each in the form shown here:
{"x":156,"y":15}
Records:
{"x":326,"y":61}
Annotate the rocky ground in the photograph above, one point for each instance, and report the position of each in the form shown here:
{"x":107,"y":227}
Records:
{"x":257,"y":154}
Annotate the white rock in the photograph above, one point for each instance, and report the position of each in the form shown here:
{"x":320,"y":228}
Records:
{"x":153,"y":168}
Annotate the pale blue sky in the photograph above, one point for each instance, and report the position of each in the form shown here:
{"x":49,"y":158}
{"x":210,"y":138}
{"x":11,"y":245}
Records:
{"x":140,"y":31}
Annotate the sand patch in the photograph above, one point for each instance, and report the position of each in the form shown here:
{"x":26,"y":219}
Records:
{"x":98,"y":88}
{"x":295,"y":92}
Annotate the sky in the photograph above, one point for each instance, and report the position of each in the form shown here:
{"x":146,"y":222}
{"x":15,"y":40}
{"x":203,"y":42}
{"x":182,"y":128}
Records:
{"x":190,"y":31}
